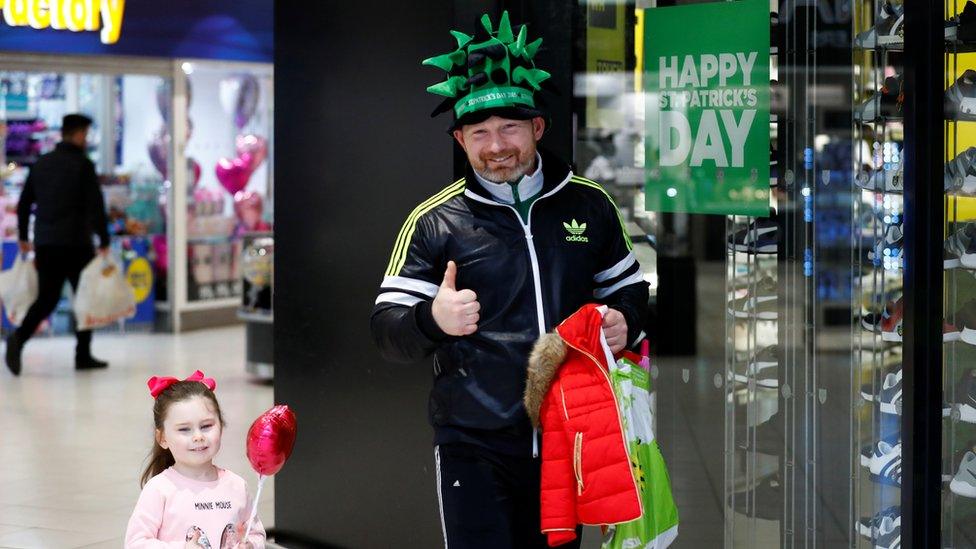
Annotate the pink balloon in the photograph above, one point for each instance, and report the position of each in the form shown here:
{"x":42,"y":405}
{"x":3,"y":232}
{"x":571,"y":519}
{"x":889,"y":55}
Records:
{"x":249,"y":206}
{"x":233,"y":174}
{"x":254,"y":145}
{"x":271,"y":439}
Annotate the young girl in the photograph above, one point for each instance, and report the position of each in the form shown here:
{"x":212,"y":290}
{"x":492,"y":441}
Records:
{"x":187,"y":501}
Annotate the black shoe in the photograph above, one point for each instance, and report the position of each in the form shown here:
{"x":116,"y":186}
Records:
{"x":14,"y":347}
{"x":89,"y":364}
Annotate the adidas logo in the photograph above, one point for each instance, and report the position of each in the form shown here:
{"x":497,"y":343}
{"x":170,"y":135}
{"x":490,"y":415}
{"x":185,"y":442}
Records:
{"x":575,"y":231}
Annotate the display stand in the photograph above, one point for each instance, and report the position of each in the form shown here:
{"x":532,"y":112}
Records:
{"x":959,"y":350}
{"x":878,"y":275}
{"x":256,"y":309}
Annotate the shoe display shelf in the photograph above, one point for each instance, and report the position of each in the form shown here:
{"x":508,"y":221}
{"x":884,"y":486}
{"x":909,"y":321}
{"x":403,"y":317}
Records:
{"x":877,"y":271}
{"x":959,"y":262}
{"x":752,"y":377}
{"x":751,"y":383}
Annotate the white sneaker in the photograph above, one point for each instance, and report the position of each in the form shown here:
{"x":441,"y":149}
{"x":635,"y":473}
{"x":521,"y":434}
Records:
{"x":885,"y":464}
{"x":882,"y":181}
{"x":960,"y":98}
{"x":960,"y":173}
{"x":888,"y":251}
{"x":889,"y":32}
{"x":964,"y":483}
{"x":889,"y":401}
{"x":889,"y":534}
{"x":870,"y":527}
{"x":758,"y":301}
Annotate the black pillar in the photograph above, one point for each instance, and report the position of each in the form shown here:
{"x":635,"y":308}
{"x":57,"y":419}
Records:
{"x":355,"y":153}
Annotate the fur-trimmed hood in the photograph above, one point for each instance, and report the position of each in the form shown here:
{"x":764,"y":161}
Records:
{"x":547,"y":355}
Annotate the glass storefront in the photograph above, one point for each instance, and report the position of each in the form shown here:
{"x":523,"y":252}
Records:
{"x":183,"y":149}
{"x":958,"y":375}
{"x":778,"y":338}
{"x":130,"y":146}
{"x":230,"y":126}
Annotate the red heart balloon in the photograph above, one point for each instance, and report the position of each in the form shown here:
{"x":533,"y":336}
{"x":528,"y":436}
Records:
{"x":233,"y":174}
{"x":270,"y":440}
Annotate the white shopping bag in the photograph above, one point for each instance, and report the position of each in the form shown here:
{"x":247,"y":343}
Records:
{"x":18,"y":288}
{"x":103,"y":295}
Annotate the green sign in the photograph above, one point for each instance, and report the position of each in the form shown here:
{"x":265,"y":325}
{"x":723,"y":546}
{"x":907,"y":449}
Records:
{"x":706,"y":83}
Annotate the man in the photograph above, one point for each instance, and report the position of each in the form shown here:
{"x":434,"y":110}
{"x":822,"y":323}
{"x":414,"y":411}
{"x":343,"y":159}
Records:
{"x":484,"y":267}
{"x":62,"y":191}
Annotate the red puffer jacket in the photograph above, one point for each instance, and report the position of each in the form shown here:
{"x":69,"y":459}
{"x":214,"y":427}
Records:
{"x":586,"y":472}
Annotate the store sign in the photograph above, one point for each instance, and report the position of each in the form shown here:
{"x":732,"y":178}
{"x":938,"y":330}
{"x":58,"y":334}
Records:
{"x":72,"y":15}
{"x":606,"y":54}
{"x":706,"y":83}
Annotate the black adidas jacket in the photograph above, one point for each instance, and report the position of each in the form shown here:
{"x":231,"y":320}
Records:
{"x":528,"y":278}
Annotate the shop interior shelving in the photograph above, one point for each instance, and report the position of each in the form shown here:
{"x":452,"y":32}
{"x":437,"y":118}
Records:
{"x":959,"y":351}
{"x":877,"y":274}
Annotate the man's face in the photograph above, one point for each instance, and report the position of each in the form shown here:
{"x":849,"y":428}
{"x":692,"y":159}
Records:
{"x":500,"y":149}
{"x":78,"y":138}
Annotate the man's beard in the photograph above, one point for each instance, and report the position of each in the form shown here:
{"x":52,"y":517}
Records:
{"x":506,"y":175}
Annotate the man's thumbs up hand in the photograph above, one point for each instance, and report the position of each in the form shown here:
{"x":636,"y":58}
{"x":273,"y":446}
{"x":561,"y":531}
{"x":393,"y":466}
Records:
{"x":456,"y":312}
{"x":450,"y":277}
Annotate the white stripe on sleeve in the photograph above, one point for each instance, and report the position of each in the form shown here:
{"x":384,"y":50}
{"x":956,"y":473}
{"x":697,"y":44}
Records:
{"x":398,"y":298}
{"x":617,"y":269}
{"x":632,"y":279}
{"x":410,"y":284}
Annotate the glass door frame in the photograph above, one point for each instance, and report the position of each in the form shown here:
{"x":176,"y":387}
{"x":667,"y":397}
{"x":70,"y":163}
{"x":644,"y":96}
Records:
{"x":922,"y":399}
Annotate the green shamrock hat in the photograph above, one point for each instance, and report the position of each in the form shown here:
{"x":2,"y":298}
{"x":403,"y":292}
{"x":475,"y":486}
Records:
{"x":491,"y":71}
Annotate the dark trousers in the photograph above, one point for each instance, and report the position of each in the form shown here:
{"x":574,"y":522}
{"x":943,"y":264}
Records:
{"x":489,"y":500}
{"x":55,"y":265}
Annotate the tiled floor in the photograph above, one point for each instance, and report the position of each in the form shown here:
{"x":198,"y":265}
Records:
{"x":73,"y":444}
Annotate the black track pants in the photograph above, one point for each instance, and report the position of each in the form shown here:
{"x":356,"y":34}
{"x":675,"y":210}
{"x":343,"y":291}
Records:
{"x":489,"y":500}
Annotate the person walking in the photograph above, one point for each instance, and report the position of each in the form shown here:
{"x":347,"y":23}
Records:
{"x":63,"y":195}
{"x":483,"y":268}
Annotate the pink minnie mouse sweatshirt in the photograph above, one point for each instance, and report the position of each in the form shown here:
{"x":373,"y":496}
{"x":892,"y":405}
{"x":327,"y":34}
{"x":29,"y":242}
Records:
{"x":171,"y":505}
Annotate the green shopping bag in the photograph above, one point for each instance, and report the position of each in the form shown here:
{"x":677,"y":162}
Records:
{"x":658,"y":527}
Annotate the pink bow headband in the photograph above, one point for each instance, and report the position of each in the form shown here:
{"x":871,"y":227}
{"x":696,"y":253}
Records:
{"x":159,"y":384}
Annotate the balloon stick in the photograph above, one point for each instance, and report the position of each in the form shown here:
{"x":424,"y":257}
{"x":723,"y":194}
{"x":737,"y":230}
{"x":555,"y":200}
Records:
{"x":254,"y":507}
